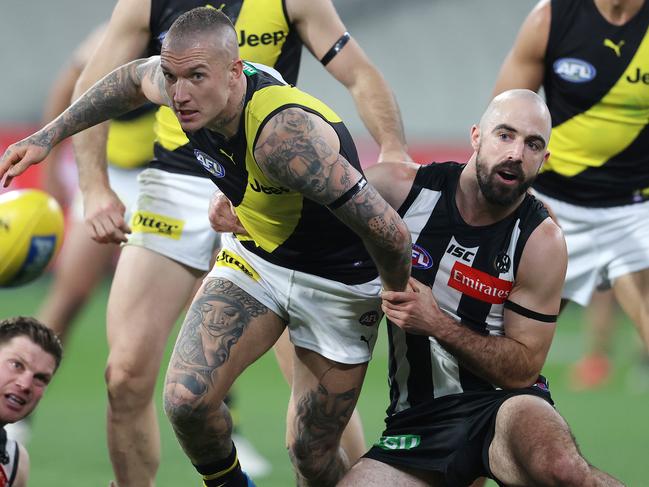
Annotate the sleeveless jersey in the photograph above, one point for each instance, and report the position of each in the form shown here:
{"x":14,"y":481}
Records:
{"x":131,"y":137}
{"x":265,"y":36}
{"x":597,"y":88}
{"x":285,"y":228}
{"x":471,"y":271}
{"x":8,"y":461}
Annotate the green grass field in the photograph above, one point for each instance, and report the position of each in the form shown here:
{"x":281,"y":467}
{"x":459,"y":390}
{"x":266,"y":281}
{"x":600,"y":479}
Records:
{"x":69,"y":441}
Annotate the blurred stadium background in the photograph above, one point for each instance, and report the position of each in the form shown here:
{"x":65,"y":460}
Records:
{"x":441,"y":58}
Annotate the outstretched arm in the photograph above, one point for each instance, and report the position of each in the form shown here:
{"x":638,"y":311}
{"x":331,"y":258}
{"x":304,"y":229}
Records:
{"x":320,"y":27}
{"x":125,"y":39}
{"x":123,"y":90}
{"x":515,"y":359}
{"x":299,"y":150}
{"x":524,"y":65}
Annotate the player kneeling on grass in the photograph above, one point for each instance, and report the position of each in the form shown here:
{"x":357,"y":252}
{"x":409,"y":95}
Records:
{"x":30,"y":353}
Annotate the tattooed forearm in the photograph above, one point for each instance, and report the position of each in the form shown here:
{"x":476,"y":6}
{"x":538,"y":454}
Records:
{"x":384,"y":233}
{"x":117,"y":93}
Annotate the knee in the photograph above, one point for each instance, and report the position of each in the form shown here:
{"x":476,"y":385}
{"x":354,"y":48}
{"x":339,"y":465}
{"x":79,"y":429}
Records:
{"x":320,"y":463}
{"x":129,"y":389}
{"x":563,"y":469}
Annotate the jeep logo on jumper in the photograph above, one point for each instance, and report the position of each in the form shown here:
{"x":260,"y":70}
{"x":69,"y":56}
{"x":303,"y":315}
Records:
{"x":370,"y":318}
{"x":260,"y":188}
{"x":574,"y":70}
{"x":147,"y":222}
{"x":209,"y":164}
{"x":420,"y":258}
{"x":400,"y":442}
{"x":265,"y":39}
{"x":478,"y":284}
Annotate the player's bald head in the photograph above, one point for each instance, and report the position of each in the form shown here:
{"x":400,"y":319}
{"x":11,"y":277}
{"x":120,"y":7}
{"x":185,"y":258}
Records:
{"x":519,"y":104}
{"x":201,"y":25}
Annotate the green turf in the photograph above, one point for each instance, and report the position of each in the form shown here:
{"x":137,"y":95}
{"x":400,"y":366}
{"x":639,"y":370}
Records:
{"x":68,"y":448}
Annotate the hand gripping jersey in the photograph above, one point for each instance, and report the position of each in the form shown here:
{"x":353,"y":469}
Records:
{"x":597,"y":89}
{"x":285,"y":228}
{"x":265,"y":36}
{"x":471,"y":271}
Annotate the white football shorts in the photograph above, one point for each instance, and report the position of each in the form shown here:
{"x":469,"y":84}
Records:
{"x":336,"y":320}
{"x":603,"y":244}
{"x":170,"y":217}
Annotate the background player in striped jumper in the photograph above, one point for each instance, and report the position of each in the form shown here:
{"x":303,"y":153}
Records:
{"x":30,"y":353}
{"x":592,"y":58}
{"x":469,"y":337}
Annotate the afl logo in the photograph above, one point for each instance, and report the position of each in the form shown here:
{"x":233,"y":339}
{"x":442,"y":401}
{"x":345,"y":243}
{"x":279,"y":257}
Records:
{"x":420,"y":258}
{"x":574,"y":70}
{"x":370,"y":318}
{"x":209,"y":164}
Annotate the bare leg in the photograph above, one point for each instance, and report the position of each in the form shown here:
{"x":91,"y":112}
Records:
{"x":224,"y":331}
{"x":323,"y":397}
{"x":522,"y":453}
{"x":80,"y":267}
{"x":353,"y":439}
{"x":148,"y":294}
{"x":592,"y":369}
{"x":632,"y":292}
{"x":370,"y":473}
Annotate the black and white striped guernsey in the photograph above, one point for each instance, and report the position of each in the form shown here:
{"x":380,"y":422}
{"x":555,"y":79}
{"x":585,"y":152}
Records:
{"x":471,"y":271}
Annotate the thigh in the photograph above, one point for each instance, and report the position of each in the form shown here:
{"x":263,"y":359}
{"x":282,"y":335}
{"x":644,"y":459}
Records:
{"x":225,"y":330}
{"x":632,"y":292}
{"x":528,"y":429}
{"x":323,"y":396}
{"x":148,"y":293}
{"x":368,"y":473}
{"x":82,"y":261}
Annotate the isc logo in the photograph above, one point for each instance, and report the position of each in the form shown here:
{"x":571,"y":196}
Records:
{"x":574,"y":70}
{"x":420,"y":258}
{"x":457,"y":251}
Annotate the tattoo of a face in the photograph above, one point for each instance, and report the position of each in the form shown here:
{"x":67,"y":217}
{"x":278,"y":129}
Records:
{"x":295,"y":155}
{"x":321,"y":417}
{"x":214,"y":324}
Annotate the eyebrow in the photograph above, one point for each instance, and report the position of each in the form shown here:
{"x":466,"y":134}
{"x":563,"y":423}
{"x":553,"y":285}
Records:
{"x":509,"y":128}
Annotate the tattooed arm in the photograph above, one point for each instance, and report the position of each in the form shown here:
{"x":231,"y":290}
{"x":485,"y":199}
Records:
{"x":299,"y":150}
{"x":121,"y":91}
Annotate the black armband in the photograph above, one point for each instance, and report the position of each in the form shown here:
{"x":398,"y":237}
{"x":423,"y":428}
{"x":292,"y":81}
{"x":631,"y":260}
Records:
{"x":528,"y":313}
{"x":335,"y":49}
{"x":348,"y":195}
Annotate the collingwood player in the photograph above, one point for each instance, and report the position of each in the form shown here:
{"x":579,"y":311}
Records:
{"x":469,"y":337}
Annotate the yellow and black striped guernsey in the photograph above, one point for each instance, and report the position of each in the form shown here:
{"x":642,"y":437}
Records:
{"x":597,"y":89}
{"x":265,"y":36}
{"x":131,"y":137}
{"x":285,"y":228}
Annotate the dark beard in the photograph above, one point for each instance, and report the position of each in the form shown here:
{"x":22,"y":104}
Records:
{"x":498,"y":194}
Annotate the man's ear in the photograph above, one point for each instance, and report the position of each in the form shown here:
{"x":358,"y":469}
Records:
{"x":475,"y":137}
